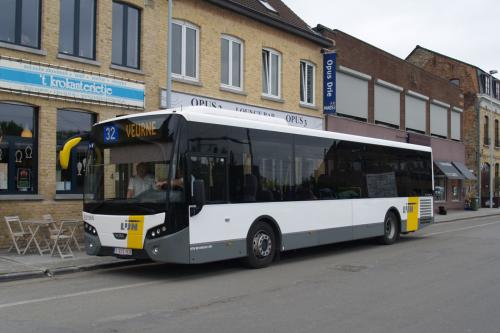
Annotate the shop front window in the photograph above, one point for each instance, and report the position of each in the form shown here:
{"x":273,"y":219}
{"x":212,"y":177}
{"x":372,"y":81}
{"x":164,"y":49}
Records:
{"x":456,"y":190}
{"x":18,"y":149}
{"x":439,"y":188}
{"x":70,"y":123}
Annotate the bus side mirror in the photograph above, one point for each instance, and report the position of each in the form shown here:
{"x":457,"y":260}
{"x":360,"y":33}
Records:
{"x":65,"y":153}
{"x":199,"y":193}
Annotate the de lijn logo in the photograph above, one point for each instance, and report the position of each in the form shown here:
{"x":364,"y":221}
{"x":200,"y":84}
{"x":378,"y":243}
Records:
{"x":409,"y":207}
{"x":129,"y":226}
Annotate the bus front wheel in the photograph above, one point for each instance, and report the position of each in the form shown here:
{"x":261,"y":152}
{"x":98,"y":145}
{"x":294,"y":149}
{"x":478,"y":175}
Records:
{"x":391,"y":229}
{"x":261,"y":245}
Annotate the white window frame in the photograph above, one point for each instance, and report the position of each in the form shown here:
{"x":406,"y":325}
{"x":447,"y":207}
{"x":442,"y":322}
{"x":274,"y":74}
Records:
{"x":487,"y":85}
{"x":183,"y":75}
{"x":230,"y":63}
{"x":269,"y":84}
{"x":303,"y":80}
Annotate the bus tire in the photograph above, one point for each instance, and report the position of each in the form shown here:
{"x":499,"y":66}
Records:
{"x":391,"y":229}
{"x":261,"y":245}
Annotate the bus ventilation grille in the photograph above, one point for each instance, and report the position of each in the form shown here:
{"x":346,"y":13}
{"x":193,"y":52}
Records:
{"x":425,"y":207}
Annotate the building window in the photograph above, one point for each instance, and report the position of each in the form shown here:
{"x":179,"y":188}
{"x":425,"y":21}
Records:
{"x":268,"y":6}
{"x":77,"y":28}
{"x":495,"y":88}
{"x":185,"y":41}
{"x":271,"y":73}
{"x":70,"y":123}
{"x":497,"y":143}
{"x":126,"y":35}
{"x":18,"y":149}
{"x":231,"y":62}
{"x":439,"y":188}
{"x":307,"y":80}
{"x":456,"y":189}
{"x":20,"y":22}
{"x":486,"y":82}
{"x":486,"y":132}
{"x":455,"y":82}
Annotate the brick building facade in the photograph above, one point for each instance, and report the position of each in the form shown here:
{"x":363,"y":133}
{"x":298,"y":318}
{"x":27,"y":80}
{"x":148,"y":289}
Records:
{"x":67,"y":64}
{"x":383,"y":96}
{"x":481,"y":117}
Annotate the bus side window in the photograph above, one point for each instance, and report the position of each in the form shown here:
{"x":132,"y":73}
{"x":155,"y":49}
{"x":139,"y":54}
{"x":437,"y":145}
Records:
{"x":312,"y":180}
{"x":212,"y":170}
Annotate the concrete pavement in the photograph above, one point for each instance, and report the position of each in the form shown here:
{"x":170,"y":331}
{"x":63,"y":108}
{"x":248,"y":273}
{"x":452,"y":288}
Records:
{"x":16,"y":267}
{"x":457,"y":215}
{"x":443,"y":278}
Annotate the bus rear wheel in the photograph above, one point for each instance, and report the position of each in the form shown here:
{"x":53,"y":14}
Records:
{"x":261,"y":245}
{"x":391,"y":229}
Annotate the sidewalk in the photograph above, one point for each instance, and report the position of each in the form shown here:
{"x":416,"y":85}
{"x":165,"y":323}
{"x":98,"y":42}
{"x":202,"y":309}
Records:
{"x":17,"y":267}
{"x":456,"y":215}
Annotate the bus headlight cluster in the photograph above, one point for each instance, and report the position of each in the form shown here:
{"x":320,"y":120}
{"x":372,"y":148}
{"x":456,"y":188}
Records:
{"x":89,"y":229}
{"x":158,"y":231}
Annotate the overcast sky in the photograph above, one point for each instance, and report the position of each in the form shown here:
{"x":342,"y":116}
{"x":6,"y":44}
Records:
{"x":466,"y":30}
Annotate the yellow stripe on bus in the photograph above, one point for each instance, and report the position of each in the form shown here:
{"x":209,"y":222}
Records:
{"x":412,"y":220}
{"x":136,"y":226}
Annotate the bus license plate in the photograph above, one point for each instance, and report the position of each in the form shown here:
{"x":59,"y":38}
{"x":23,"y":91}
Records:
{"x":123,"y":252}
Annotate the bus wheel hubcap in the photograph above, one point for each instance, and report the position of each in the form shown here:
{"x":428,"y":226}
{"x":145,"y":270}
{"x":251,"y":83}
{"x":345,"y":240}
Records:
{"x":389,"y":228}
{"x":262,"y":245}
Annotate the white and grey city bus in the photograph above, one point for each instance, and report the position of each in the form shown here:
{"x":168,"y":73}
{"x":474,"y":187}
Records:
{"x":202,"y":184}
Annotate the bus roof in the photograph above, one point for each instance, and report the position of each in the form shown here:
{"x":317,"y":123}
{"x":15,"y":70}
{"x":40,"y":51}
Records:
{"x":219,"y":116}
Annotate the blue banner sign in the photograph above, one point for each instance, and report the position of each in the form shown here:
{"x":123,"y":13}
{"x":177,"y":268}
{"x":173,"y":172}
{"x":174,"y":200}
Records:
{"x":37,"y":79}
{"x":330,"y":83}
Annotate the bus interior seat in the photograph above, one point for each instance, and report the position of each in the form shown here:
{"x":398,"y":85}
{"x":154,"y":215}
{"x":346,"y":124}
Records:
{"x":250,"y":188}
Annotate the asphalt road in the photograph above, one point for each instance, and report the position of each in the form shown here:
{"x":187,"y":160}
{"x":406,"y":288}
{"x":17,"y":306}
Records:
{"x":445,"y":278}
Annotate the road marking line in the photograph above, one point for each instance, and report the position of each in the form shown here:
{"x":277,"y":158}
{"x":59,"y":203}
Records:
{"x":461,"y":229}
{"x":81,"y":293}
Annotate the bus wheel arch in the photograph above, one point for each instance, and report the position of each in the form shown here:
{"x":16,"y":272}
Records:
{"x":269,"y":226}
{"x":392,"y":227}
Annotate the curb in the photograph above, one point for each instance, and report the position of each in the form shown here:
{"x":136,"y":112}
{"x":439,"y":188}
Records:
{"x":21,"y":276}
{"x":17,"y":276}
{"x":467,"y":218}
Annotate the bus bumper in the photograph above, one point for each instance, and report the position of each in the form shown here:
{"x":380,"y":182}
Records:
{"x":172,"y":248}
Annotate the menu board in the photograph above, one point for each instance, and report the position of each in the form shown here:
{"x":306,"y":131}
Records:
{"x":381,"y":185}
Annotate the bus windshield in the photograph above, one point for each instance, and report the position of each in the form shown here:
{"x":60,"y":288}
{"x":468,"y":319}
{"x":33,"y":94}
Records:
{"x":131,"y":177}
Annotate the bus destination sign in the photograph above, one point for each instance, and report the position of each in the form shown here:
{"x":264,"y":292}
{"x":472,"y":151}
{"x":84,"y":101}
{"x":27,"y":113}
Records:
{"x":128,"y":131}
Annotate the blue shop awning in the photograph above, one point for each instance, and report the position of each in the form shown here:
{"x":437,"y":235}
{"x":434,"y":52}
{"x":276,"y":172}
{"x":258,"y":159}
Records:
{"x":463,"y":169}
{"x":448,"y":169}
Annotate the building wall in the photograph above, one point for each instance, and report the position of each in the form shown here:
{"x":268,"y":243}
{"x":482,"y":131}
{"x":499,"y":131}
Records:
{"x":380,"y":65}
{"x":212,"y":22}
{"x":449,"y":69}
{"x":489,"y":153}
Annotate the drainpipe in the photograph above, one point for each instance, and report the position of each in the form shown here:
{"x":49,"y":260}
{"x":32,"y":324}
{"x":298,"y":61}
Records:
{"x":491,"y":124}
{"x":169,"y":57}
{"x":478,"y":151}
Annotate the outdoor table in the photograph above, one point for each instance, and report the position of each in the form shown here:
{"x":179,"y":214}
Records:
{"x":35,"y":227}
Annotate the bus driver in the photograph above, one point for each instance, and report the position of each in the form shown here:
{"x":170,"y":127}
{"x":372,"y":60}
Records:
{"x":142,"y":182}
